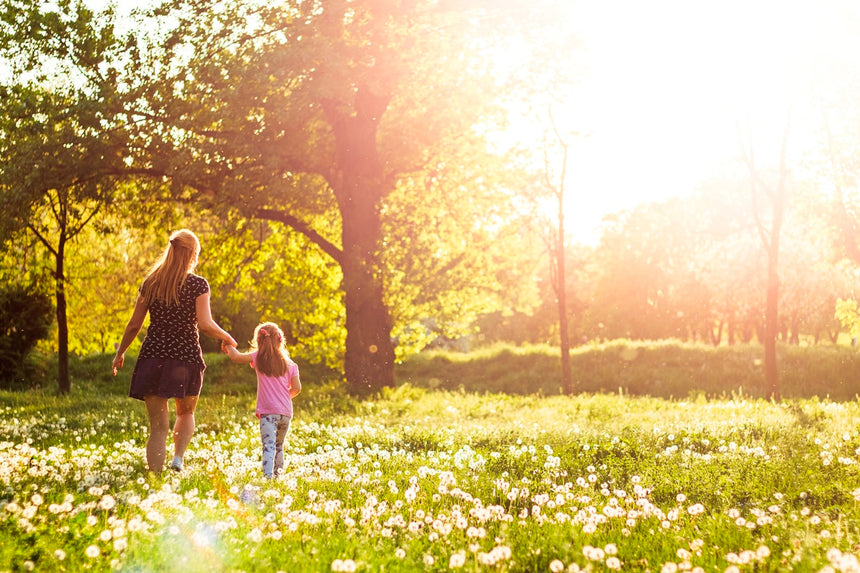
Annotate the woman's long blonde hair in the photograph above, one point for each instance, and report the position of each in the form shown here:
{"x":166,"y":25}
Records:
{"x":272,"y":356}
{"x":168,"y":274}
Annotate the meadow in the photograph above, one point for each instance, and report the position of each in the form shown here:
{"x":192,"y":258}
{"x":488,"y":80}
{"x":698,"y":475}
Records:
{"x":428,"y":478}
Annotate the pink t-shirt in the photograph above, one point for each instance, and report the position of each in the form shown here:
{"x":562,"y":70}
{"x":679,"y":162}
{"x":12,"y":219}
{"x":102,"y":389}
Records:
{"x":273,"y":392}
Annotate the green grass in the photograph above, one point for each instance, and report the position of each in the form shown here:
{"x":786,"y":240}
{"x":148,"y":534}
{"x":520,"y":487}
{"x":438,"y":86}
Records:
{"x":421,"y":478}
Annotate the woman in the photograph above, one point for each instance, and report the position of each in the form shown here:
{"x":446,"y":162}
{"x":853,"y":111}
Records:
{"x":170,"y":363}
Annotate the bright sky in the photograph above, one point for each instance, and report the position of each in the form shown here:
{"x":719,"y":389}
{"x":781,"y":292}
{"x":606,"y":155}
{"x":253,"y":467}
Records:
{"x":669,"y":81}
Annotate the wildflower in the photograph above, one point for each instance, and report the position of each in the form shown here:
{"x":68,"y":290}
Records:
{"x":400,"y":553}
{"x":593,"y":553}
{"x":613,"y":563}
{"x":556,"y":566}
{"x":428,"y":560}
{"x":92,"y":551}
{"x":502,"y":551}
{"x":669,"y":567}
{"x":107,"y":502}
{"x":59,"y":554}
{"x":681,"y":498}
{"x":457,"y":560}
{"x":611,"y":549}
{"x":343,"y":565}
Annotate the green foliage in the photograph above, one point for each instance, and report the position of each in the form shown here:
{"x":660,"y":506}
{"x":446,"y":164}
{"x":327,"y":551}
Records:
{"x":26,"y":315}
{"x":261,"y":272}
{"x":848,"y":314}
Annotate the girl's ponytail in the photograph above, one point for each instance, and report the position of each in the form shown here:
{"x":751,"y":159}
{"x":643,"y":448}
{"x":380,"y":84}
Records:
{"x":271,"y":356}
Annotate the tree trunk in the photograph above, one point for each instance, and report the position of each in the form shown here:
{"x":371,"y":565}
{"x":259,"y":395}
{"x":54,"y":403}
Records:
{"x":566,"y":374}
{"x":731,"y":330}
{"x":717,"y":334}
{"x":359,"y":185}
{"x":771,"y":374}
{"x":63,"y":381}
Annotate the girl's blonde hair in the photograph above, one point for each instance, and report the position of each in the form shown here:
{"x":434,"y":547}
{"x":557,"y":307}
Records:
{"x":272,"y":356}
{"x":166,"y":277}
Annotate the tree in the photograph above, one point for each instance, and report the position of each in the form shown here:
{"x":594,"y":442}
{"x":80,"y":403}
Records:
{"x":57,"y":152}
{"x":554,"y":178}
{"x":776,"y":197}
{"x":313,"y":115}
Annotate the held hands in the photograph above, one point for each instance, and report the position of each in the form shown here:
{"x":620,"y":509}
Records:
{"x":226,"y":346}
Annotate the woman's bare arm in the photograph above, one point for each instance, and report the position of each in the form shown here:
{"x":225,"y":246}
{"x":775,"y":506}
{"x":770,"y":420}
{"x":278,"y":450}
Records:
{"x":207,"y":324}
{"x":135,"y":323}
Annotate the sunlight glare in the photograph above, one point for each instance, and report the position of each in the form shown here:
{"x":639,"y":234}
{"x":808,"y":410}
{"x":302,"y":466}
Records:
{"x":670,"y":83}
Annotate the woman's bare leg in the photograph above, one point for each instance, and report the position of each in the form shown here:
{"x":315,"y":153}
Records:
{"x":159,"y":425}
{"x":183,"y":429}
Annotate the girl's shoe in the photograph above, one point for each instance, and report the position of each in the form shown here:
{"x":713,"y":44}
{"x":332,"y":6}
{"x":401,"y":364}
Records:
{"x":177,"y":464}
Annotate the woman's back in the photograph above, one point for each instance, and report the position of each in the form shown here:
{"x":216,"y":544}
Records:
{"x":173,"y":327}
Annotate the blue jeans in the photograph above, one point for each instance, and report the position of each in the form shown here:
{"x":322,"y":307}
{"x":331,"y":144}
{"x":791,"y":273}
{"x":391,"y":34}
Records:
{"x":273,"y":429}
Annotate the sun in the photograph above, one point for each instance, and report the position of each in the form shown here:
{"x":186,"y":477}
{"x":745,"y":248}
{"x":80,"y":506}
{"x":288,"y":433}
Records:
{"x":668,"y":85}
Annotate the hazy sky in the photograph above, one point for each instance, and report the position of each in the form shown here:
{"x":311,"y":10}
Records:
{"x":669,"y":81}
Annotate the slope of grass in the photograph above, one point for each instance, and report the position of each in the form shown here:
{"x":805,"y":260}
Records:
{"x":665,"y":369}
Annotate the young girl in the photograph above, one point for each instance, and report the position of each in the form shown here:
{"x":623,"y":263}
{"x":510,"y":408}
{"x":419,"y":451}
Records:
{"x":277,"y":383}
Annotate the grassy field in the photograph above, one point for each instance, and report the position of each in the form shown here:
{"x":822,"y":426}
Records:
{"x":432,"y":479}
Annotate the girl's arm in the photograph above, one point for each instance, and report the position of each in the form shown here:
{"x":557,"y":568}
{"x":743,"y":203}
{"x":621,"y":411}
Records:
{"x":295,"y":386}
{"x":135,"y":323}
{"x":235,"y":355}
{"x":207,"y":324}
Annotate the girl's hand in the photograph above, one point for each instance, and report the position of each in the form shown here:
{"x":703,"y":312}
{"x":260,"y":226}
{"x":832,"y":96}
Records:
{"x":117,"y":362}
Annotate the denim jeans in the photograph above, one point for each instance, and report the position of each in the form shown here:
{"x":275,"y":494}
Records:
{"x":273,"y":429}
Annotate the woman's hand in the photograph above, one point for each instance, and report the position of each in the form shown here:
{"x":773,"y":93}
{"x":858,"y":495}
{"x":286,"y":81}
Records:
{"x":117,"y":362}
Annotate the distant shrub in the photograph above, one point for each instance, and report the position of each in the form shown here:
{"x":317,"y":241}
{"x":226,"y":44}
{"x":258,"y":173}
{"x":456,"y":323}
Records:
{"x":26,"y":315}
{"x":665,"y":369}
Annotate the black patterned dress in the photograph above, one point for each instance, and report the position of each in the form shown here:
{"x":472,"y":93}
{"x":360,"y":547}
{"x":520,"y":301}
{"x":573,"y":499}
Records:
{"x":170,"y":363}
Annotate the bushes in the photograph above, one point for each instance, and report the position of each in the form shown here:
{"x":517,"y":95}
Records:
{"x":667,"y":369}
{"x":25,"y":318}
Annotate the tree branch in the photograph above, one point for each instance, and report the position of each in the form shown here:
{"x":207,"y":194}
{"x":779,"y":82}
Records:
{"x":298,"y":225}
